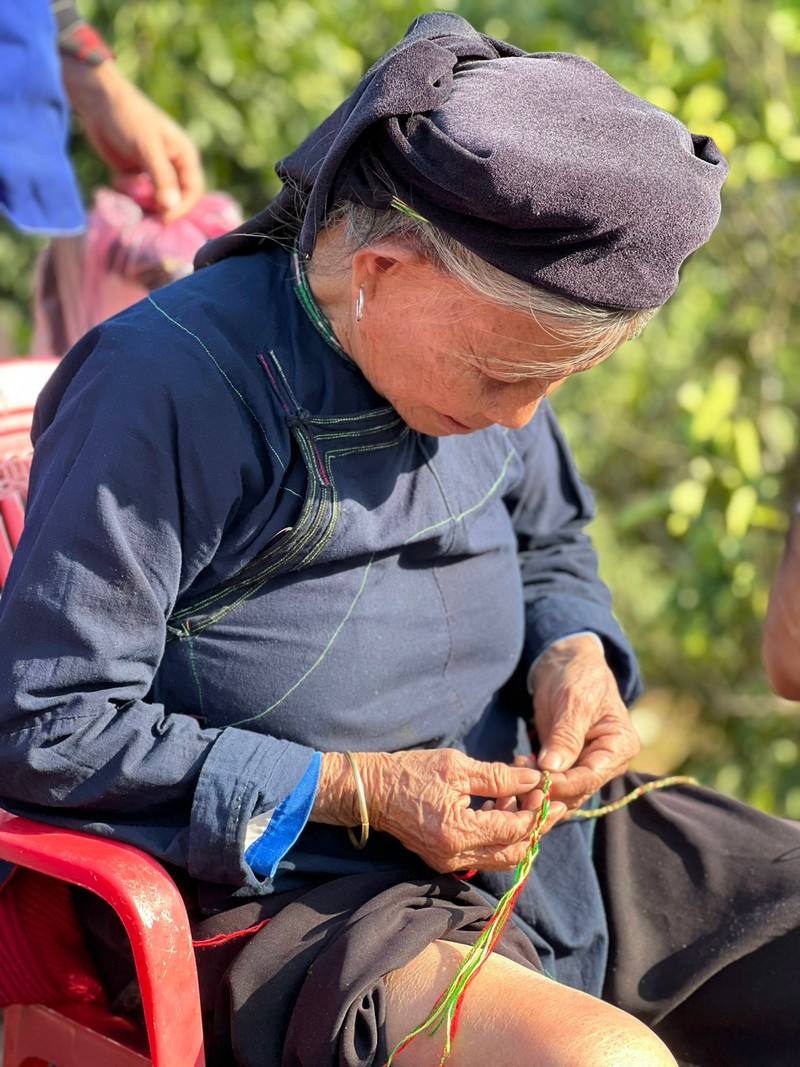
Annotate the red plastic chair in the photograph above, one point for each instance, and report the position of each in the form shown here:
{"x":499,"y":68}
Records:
{"x":21,"y":380}
{"x":133,"y":883}
{"x":152,"y":911}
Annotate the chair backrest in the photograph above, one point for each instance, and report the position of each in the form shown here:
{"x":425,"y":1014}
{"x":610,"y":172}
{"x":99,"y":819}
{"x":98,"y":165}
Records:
{"x":21,"y":381}
{"x":133,"y":883}
{"x":152,"y":912}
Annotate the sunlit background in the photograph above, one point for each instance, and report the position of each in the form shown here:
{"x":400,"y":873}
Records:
{"x":689,"y":435}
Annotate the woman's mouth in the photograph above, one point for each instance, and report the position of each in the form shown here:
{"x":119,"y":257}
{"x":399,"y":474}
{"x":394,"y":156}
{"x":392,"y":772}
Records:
{"x":454,"y":425}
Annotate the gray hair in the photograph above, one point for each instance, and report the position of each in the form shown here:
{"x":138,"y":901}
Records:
{"x":596,"y":331}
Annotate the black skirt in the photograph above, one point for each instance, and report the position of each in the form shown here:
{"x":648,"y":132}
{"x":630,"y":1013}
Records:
{"x":702,"y":897}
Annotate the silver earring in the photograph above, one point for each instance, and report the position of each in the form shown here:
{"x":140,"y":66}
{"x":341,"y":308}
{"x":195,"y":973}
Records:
{"x":360,"y":303}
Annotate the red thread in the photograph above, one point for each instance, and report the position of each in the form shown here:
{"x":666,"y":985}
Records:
{"x":221,"y":939}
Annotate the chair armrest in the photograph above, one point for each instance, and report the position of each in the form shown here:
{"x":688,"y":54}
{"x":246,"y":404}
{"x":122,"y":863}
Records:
{"x":148,"y":902}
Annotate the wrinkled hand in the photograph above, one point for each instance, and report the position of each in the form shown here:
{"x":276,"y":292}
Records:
{"x":584,"y":728}
{"x":423,"y":799}
{"x":132,"y":135}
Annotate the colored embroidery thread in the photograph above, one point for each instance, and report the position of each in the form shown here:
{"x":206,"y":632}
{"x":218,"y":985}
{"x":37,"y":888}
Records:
{"x":640,"y":791}
{"x":447,"y":1009}
{"x":404,"y":209}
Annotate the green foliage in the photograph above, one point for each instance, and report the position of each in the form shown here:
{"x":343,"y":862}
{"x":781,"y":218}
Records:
{"x":687,"y":435}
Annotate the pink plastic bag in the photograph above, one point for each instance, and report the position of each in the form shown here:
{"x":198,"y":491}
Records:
{"x":126,"y":252}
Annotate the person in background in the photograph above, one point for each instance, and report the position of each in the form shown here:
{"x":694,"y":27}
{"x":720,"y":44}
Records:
{"x":781,"y":648}
{"x":45,"y":50}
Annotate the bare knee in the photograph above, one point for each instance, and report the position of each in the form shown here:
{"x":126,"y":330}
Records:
{"x":515,"y":1017}
{"x":614,"y":1039}
{"x":592,"y":1033}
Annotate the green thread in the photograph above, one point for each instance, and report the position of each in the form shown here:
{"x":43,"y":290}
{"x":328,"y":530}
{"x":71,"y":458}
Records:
{"x":447,"y":1008}
{"x":404,"y":209}
{"x":312,"y":309}
{"x":640,"y":791}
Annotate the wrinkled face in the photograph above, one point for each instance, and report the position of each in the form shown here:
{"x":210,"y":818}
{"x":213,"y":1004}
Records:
{"x":451,"y":362}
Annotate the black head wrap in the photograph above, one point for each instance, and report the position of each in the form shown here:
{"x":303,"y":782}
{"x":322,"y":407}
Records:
{"x":540,"y":163}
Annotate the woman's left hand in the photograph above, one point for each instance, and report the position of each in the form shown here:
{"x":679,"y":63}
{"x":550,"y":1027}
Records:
{"x":584,"y":728}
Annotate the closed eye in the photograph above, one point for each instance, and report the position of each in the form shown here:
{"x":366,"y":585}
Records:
{"x":512,"y":377}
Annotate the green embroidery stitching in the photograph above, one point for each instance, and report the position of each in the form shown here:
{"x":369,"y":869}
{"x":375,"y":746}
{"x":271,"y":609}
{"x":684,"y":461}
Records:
{"x":463,"y":515}
{"x":210,"y":355}
{"x":322,"y":655}
{"x":311,"y":308}
{"x":193,"y":665}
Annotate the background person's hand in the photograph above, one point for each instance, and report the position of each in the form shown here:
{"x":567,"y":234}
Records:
{"x":584,"y":728}
{"x":132,"y":135}
{"x":423,"y":798}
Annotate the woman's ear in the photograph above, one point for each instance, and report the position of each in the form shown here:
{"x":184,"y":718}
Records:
{"x":393,"y":257}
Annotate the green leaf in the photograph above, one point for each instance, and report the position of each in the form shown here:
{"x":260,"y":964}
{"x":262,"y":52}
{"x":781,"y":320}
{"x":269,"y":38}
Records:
{"x":740,"y":510}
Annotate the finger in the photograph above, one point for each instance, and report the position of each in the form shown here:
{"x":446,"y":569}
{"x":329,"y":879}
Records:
{"x":602,"y":760}
{"x":575,"y":785}
{"x":507,"y":804}
{"x":166,"y":189}
{"x":524,"y":761}
{"x":491,"y":858}
{"x":507,"y":857}
{"x":494,"y":829}
{"x":499,"y":780}
{"x":562,"y":748}
{"x":189,"y":172}
{"x":531,"y":801}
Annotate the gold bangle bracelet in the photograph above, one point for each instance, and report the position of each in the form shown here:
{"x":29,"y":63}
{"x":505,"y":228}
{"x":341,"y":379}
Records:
{"x":362,"y":805}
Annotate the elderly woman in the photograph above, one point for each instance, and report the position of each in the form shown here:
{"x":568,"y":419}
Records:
{"x":303,"y":537}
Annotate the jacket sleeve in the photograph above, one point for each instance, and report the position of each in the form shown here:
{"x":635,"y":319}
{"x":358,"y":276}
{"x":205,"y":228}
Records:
{"x":564,"y":594}
{"x":137,"y":471}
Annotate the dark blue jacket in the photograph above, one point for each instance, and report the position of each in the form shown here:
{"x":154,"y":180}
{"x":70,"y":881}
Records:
{"x":237,"y":554}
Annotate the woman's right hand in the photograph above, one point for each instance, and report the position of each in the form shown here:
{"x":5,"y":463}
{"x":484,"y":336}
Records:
{"x":424,"y":799}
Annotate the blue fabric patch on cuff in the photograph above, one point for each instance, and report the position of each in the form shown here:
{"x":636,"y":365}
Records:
{"x":286,"y":824}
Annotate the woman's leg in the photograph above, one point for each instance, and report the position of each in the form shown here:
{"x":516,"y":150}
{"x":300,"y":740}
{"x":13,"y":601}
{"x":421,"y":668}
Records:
{"x":512,"y":1017}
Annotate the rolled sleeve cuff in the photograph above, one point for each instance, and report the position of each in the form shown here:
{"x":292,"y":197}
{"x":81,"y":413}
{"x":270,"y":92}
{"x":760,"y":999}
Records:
{"x":244,"y":775}
{"x":284,"y":825}
{"x":551,"y":619}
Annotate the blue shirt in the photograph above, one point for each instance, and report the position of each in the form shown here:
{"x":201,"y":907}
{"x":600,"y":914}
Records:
{"x":38,"y":192}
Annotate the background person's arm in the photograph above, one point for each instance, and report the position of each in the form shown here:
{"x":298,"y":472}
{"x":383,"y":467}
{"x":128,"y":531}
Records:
{"x":124,"y":127}
{"x":781,"y":646}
